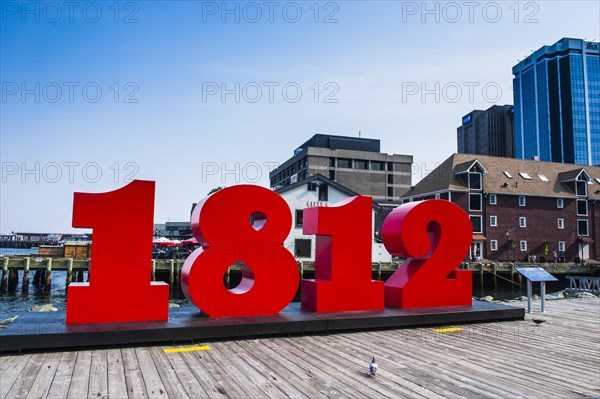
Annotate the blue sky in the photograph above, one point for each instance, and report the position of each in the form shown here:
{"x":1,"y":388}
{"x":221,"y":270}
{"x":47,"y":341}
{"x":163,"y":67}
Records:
{"x":99,"y":92}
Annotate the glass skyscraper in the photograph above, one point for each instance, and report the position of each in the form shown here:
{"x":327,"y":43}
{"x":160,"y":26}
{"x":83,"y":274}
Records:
{"x":557,"y":103}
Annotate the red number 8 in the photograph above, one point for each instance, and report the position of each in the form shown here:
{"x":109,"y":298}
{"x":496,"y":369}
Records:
{"x":222,"y":225}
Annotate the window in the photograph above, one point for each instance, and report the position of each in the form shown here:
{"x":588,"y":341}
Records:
{"x":302,"y":248}
{"x":582,"y":228}
{"x":312,"y":186}
{"x":493,"y":199}
{"x":494,"y":245}
{"x":522,"y":201}
{"x":581,"y":188}
{"x":475,"y":181}
{"x":376,"y":165}
{"x":323,"y":192}
{"x":543,"y":178}
{"x":561,"y":246}
{"x":437,"y":196}
{"x":332,"y":162}
{"x":523,"y":245}
{"x":525,"y":175}
{"x":493,"y":221}
{"x":332,"y":174}
{"x":560,"y":203}
{"x":390,"y":166}
{"x":390,"y":179}
{"x":390,"y":191}
{"x":561,"y":223}
{"x":476,"y":223}
{"x":475,"y":202}
{"x":507,"y":174}
{"x":299,"y":215}
{"x":344,"y":163}
{"x":582,"y":208}
{"x":522,"y":221}
{"x":360,"y":164}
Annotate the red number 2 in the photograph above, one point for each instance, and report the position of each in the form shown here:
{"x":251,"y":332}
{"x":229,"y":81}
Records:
{"x":434,"y":236}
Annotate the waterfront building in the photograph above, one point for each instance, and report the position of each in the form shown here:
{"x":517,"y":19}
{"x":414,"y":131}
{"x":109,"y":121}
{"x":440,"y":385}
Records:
{"x":557,"y":103}
{"x":489,"y":132}
{"x":521,"y":207}
{"x":353,"y":162}
{"x":318,"y":190}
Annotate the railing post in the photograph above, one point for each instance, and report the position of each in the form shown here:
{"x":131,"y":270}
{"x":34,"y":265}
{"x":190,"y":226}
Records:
{"x":26,"y":274}
{"x":48,"y":281}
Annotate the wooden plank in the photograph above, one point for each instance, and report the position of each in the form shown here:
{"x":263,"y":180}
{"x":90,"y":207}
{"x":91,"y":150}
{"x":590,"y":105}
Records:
{"x":43,"y":381}
{"x":27,"y":376}
{"x":117,"y":386}
{"x":11,"y":372}
{"x":81,"y":375}
{"x":188,"y":379}
{"x":64,"y":373}
{"x":196,"y":365}
{"x":133,"y":374}
{"x":152,"y":380}
{"x":98,"y":385}
{"x":173,"y":385}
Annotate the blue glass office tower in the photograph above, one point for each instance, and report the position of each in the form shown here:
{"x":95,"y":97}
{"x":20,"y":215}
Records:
{"x":557,"y":103}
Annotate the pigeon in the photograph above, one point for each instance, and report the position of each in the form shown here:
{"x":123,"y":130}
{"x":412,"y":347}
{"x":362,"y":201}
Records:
{"x":538,"y":321}
{"x":373,"y":367}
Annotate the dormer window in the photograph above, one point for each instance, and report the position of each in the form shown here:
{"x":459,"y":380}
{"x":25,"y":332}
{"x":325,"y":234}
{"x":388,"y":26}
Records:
{"x":475,"y":181}
{"x":576,"y":181}
{"x":581,"y":188}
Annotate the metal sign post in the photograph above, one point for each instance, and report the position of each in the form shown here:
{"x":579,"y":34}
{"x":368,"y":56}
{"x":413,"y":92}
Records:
{"x":536,"y":274}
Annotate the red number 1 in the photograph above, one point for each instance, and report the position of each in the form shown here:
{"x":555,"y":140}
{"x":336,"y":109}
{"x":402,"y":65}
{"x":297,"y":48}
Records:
{"x":119,"y":289}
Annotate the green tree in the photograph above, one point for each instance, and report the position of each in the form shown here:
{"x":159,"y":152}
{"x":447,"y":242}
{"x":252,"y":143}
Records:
{"x":214,"y":190}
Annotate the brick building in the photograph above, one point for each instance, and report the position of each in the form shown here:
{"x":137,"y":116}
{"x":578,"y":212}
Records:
{"x":520,"y":207}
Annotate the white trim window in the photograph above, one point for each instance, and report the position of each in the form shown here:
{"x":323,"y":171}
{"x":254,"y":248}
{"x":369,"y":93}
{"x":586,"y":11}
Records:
{"x":475,"y":202}
{"x":582,"y":208}
{"x":583,"y":228}
{"x":493,"y":221}
{"x":493,"y":199}
{"x":561,"y":246}
{"x":523,"y":245}
{"x":561,"y":223}
{"x":522,"y":200}
{"x":476,"y":222}
{"x":493,"y":245}
{"x":560,"y":203}
{"x":522,"y":221}
{"x":437,"y":195}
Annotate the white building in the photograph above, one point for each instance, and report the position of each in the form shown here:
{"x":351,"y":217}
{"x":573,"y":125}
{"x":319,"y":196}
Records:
{"x":317,"y":190}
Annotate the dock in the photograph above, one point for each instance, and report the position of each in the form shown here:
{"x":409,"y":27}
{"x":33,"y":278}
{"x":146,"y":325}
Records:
{"x":558,"y":358}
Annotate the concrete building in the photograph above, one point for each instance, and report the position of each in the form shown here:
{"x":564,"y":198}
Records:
{"x":521,"y":207}
{"x":557,"y":103}
{"x":317,"y":190}
{"x":353,"y":162}
{"x":489,"y":132}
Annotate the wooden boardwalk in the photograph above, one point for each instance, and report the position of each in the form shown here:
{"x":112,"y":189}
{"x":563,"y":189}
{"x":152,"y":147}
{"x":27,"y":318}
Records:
{"x":560,"y":358}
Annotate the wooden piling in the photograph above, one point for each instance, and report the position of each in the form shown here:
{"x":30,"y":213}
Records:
{"x":4,"y":281}
{"x":26,"y":275}
{"x":171,"y":275}
{"x":80,"y":276}
{"x":177,"y":275}
{"x":481,"y":276}
{"x":69,"y":271}
{"x":48,"y":280}
{"x":301,"y":267}
{"x":495,"y":277}
{"x":153,"y":269}
{"x":379,"y":271}
{"x":227,"y":280}
{"x":13,"y":279}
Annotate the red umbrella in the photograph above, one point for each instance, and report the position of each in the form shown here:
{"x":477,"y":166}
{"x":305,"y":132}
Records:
{"x":190,"y":241}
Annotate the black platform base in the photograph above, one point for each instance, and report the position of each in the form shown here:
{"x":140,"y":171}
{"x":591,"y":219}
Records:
{"x":43,"y":331}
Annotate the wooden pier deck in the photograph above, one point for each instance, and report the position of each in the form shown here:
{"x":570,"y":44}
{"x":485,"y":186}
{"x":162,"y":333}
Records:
{"x":559,"y":358}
